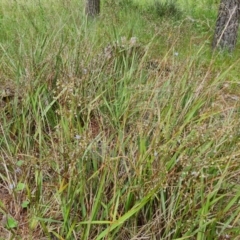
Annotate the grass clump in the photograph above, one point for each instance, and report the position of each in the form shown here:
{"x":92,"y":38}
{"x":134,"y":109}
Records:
{"x":121,"y":129}
{"x":167,"y":8}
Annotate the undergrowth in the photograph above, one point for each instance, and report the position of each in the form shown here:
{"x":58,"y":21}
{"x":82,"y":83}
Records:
{"x":123,"y":127}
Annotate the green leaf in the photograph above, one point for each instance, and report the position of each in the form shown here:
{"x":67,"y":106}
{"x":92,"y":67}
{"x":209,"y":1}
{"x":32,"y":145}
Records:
{"x":20,"y":186}
{"x":25,"y":204}
{"x":11,"y":223}
{"x":19,"y":163}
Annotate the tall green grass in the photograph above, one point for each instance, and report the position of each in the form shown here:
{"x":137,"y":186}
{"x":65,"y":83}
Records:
{"x":103,"y":137}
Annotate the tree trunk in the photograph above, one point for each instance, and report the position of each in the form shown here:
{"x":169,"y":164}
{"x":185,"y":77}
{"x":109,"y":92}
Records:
{"x":225,"y":36}
{"x":92,"y":7}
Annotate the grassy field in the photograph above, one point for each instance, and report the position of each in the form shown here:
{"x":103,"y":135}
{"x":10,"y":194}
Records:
{"x":122,"y":127}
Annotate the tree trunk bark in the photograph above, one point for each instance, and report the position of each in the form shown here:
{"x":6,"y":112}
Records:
{"x":225,"y":36}
{"x":92,"y":8}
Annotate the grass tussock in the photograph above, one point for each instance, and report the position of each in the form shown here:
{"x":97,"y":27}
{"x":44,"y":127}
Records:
{"x":121,"y":129}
